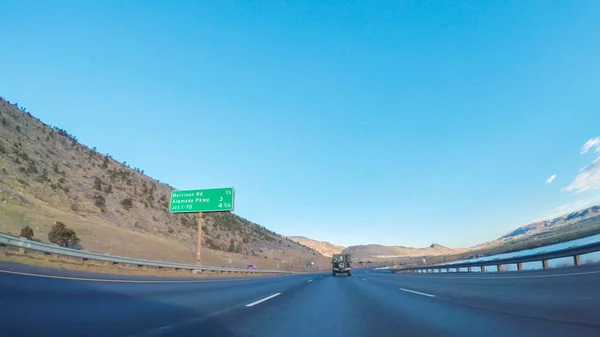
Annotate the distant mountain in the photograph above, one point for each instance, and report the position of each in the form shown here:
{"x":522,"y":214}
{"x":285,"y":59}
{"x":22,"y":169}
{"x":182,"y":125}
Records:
{"x":386,"y":252}
{"x":554,"y":224}
{"x":323,"y":247}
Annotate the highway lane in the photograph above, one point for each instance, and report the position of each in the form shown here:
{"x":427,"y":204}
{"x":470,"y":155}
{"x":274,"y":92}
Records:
{"x":547,"y":303}
{"x":35,"y":306}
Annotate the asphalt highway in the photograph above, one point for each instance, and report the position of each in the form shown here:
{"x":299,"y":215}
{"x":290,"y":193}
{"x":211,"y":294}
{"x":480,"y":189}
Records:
{"x":560,"y":302}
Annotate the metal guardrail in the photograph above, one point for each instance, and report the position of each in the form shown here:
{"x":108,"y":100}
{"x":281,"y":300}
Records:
{"x":574,"y":252}
{"x":22,"y":243}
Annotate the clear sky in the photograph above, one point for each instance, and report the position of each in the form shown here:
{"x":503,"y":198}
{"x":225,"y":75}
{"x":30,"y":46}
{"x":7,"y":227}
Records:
{"x":354,"y":122}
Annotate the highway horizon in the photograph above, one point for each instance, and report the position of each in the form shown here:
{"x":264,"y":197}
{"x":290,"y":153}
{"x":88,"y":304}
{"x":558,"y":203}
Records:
{"x":557,"y":302}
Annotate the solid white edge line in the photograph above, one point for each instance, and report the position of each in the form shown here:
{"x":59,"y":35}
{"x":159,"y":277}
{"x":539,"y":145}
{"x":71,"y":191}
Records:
{"x":417,"y":292}
{"x":205,"y":280}
{"x":262,"y":300}
{"x":499,"y":277}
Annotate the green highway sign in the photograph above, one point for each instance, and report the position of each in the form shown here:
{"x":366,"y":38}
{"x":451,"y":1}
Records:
{"x":194,"y":201}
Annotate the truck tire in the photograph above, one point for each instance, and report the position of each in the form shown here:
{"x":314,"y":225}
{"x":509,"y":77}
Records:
{"x":349,"y":273}
{"x":332,"y":273}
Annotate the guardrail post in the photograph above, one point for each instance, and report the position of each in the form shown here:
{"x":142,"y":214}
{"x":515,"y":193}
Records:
{"x":447,"y":270}
{"x":483,"y":269}
{"x":439,"y":270}
{"x":469,"y":269}
{"x":499,"y":267}
{"x":576,"y":260}
{"x":545,"y":264}
{"x":21,"y":250}
{"x":519,"y":266}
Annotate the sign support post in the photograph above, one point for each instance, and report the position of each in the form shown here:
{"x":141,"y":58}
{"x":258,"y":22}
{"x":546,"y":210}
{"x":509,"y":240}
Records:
{"x":199,"y":251}
{"x":201,"y":201}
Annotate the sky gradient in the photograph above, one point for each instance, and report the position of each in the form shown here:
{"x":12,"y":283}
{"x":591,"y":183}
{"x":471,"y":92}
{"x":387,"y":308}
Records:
{"x":402,"y":123}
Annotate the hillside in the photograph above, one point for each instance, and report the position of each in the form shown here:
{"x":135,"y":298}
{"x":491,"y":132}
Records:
{"x":47,"y":175}
{"x":550,"y":225}
{"x":578,"y":220}
{"x":322,"y":247}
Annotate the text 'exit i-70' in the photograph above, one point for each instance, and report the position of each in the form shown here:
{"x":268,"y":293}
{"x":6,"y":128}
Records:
{"x":208,"y":200}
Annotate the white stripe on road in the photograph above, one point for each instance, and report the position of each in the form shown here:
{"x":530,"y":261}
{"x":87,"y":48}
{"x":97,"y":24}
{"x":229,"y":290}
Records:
{"x":262,"y":300}
{"x":205,"y":280}
{"x":416,"y":292}
{"x":364,"y":279}
{"x":309,"y":281}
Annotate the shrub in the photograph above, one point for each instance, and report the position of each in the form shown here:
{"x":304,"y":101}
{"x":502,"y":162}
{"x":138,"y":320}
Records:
{"x":62,"y":236}
{"x":99,"y":201}
{"x":18,"y":128}
{"x":4,"y":122}
{"x":127,"y":203}
{"x":44,"y":175}
{"x":31,"y":168}
{"x":188,"y":222}
{"x":97,"y":184}
{"x":171,"y":230}
{"x":210,"y":243}
{"x":27,"y":232}
{"x":108,"y":189}
{"x":105,"y":162}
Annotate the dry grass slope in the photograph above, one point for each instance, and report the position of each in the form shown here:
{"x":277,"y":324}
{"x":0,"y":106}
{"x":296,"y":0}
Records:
{"x":323,"y":247}
{"x":46,"y":175}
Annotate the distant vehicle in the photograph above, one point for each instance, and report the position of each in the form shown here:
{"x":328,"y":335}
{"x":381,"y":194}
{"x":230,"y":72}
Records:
{"x":341,"y":264}
{"x":251,"y":266}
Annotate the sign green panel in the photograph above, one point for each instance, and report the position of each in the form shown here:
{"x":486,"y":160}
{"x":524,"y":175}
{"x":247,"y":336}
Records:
{"x":194,"y":201}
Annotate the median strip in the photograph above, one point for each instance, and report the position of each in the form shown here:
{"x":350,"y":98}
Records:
{"x":262,"y":300}
{"x":417,"y":292}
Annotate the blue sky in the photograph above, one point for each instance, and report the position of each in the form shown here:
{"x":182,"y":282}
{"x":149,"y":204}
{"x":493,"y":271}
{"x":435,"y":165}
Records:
{"x":401,"y":123}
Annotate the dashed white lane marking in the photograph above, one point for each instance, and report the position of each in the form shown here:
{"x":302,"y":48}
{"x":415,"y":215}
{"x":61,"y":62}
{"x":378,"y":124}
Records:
{"x":417,"y":292}
{"x":364,"y":279}
{"x":309,"y":281}
{"x":504,"y":277}
{"x":262,"y":300}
